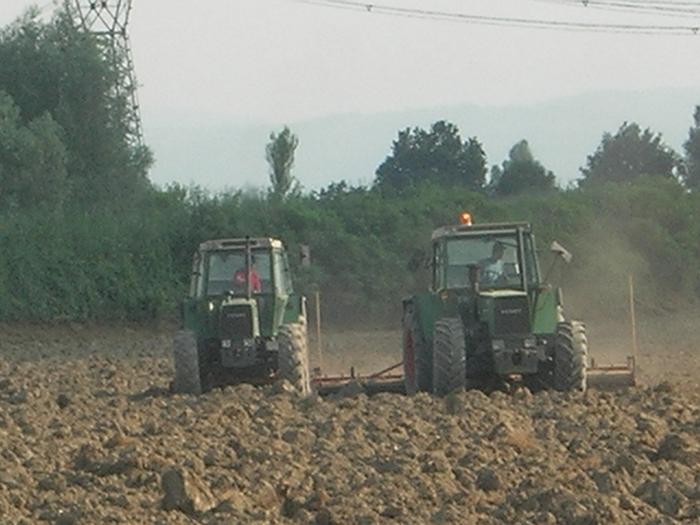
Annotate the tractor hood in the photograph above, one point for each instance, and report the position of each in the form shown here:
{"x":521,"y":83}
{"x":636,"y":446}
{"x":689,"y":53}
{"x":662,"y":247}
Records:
{"x":238,"y":318}
{"x":507,"y":312}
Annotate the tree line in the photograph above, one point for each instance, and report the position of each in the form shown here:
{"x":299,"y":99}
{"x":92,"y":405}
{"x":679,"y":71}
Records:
{"x":439,"y":155}
{"x":85,"y":235}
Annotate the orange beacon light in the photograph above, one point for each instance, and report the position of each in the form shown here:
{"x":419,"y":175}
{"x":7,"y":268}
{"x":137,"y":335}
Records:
{"x":465,"y":218}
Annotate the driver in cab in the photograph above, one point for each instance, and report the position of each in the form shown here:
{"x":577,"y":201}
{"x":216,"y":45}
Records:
{"x":492,"y":267}
{"x":239,"y":279}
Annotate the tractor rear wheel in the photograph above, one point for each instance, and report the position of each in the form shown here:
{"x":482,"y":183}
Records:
{"x":293,"y":356}
{"x":417,"y":363}
{"x":186,"y":359}
{"x":571,"y":357}
{"x":449,"y":356}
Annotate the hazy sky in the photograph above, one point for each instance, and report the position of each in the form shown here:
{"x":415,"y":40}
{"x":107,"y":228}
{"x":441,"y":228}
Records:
{"x":283,"y":60}
{"x":280,"y":61}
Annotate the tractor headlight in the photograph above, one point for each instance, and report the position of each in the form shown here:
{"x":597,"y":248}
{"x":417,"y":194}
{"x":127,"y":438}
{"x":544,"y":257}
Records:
{"x":211,"y":306}
{"x":498,"y":344}
{"x":530,"y":342}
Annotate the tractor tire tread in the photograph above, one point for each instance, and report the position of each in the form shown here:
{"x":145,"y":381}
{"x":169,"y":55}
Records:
{"x":293,"y":357}
{"x":571,"y":357}
{"x":422,"y":361}
{"x":187,"y":367}
{"x":449,"y":357}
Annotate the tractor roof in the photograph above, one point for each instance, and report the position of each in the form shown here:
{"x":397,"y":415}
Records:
{"x":240,"y":243}
{"x":460,"y":230}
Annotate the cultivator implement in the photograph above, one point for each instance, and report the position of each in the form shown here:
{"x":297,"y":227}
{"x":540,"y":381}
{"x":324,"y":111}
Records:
{"x":610,"y":377}
{"x":386,"y":380}
{"x":389,"y":380}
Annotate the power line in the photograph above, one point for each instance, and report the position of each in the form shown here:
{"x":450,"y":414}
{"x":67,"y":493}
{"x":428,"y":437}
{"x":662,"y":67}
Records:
{"x":656,"y":8}
{"x":671,"y":3}
{"x":506,"y":21}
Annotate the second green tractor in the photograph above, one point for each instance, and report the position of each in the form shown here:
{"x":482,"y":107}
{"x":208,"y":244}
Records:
{"x":489,"y":317}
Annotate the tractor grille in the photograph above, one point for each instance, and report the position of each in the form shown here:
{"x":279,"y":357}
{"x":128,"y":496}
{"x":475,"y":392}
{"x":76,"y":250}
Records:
{"x":236,"y":322}
{"x":512,"y":316}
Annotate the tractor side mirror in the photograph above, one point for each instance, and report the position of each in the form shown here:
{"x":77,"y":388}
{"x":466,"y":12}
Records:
{"x":560,"y":251}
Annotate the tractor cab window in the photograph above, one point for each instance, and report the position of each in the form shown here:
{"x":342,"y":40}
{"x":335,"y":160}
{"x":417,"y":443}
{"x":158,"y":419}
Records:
{"x":531,"y":266}
{"x":496,"y":257}
{"x":226,"y":272}
{"x":438,"y":266}
{"x":283,"y":275}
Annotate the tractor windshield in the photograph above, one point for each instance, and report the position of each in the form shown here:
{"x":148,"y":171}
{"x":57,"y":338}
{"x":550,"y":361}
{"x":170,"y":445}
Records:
{"x":496,"y":256}
{"x":226,"y":272}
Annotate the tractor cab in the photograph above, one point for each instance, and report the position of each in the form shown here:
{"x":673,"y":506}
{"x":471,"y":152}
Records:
{"x":242,"y":320}
{"x":485,"y":257}
{"x":493,"y":270}
{"x":247,"y":282}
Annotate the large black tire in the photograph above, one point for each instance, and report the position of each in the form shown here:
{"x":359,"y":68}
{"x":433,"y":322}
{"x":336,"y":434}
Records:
{"x":571,"y":357}
{"x":449,"y":356}
{"x":293,"y":356}
{"x":187,"y":367}
{"x":417,"y":361}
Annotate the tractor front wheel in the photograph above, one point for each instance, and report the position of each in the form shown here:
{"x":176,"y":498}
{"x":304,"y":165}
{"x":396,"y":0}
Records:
{"x":187,"y":367}
{"x":293,"y":356}
{"x":449,"y":356}
{"x":571,"y":357}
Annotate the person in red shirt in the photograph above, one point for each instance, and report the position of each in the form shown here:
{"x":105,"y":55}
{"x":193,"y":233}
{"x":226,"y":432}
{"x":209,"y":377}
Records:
{"x":253,"y":275}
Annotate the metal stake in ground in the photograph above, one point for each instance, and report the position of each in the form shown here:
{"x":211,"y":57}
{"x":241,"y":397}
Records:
{"x":319,"y":342}
{"x":633,"y":320}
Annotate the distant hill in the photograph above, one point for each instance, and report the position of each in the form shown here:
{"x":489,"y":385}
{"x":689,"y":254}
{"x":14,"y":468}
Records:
{"x":218,"y":153}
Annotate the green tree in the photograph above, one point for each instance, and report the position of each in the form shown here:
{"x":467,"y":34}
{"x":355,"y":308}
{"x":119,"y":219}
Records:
{"x":628,"y":155}
{"x":474,"y":163}
{"x":32,"y":159}
{"x":280,"y":153}
{"x":692,"y":153}
{"x":436,"y":155}
{"x":521,"y":172}
{"x":55,"y":69}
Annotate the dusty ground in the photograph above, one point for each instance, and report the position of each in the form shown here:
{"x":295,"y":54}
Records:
{"x":89,"y":434}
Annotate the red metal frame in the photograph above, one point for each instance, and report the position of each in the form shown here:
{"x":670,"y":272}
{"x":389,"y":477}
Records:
{"x":382,"y":375}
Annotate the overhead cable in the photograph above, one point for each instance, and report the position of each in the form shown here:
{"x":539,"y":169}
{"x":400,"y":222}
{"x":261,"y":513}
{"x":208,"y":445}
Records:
{"x":652,"y":8}
{"x":537,"y":23}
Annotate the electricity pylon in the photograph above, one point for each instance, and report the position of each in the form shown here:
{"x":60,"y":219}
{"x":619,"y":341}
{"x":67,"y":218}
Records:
{"x":108,"y":20}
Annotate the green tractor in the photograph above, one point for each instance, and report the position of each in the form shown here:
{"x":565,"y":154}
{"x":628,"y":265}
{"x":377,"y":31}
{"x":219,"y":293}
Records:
{"x":242,"y":321}
{"x":489,"y":318}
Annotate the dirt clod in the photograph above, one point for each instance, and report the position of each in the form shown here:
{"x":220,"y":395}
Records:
{"x":185,"y":492}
